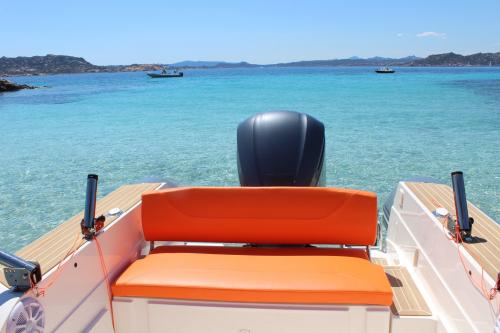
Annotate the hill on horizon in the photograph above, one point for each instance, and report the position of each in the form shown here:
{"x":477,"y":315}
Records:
{"x":57,"y":64}
{"x":196,"y":63}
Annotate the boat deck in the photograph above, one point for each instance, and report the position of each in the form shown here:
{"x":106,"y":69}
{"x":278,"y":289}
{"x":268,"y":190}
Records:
{"x":485,"y":231}
{"x":53,"y":247}
{"x":407,"y":299}
{"x":50,"y":249}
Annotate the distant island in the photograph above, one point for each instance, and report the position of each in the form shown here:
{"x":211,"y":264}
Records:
{"x":59,"y":64}
{"x":457,"y":60}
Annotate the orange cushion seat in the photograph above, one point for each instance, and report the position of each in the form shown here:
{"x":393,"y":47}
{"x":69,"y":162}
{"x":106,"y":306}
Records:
{"x":260,"y":275}
{"x":261,"y":215}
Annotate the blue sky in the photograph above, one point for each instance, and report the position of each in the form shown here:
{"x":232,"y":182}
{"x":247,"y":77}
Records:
{"x":124,"y":32}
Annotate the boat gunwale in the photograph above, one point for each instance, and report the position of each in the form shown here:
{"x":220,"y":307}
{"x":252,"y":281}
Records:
{"x":53,"y":247}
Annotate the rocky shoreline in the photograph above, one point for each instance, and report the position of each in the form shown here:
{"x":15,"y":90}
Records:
{"x":10,"y":86}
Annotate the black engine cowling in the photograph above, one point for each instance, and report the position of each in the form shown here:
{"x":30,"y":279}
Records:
{"x":281,"y":148}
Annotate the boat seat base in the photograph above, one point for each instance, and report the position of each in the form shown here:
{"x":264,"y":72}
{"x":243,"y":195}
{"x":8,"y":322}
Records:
{"x":153,"y":315}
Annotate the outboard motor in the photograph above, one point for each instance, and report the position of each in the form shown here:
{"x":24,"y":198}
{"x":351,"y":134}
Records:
{"x":281,"y":148}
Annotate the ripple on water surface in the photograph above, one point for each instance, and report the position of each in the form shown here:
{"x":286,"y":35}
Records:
{"x":127,"y":127}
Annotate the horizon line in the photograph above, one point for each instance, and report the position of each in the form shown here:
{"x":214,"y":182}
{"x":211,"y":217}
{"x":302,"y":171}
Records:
{"x":245,"y":61}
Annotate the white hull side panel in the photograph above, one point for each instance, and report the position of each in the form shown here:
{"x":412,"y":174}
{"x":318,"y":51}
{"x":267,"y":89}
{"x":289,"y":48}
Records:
{"x":78,"y":299}
{"x":169,"y":316}
{"x":416,"y":237}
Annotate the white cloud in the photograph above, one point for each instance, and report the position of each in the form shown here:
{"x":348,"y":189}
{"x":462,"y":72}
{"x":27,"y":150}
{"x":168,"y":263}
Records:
{"x":400,"y":34}
{"x":432,"y":34}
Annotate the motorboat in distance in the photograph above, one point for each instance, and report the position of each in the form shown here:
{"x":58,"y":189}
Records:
{"x":166,"y":73}
{"x":385,"y":70}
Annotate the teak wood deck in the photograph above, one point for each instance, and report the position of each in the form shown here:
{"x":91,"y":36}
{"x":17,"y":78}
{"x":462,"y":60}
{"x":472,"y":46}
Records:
{"x":407,"y":299}
{"x":485,"y":231}
{"x":50,"y":249}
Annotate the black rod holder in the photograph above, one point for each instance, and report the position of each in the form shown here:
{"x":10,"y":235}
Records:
{"x":19,"y":273}
{"x":90,"y":201}
{"x":90,"y":225}
{"x":464,"y":222}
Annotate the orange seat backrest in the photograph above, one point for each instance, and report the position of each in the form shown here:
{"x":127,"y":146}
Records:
{"x":262,"y":215}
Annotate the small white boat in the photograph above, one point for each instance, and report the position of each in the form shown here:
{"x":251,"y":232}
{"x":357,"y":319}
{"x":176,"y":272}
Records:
{"x":261,"y":257}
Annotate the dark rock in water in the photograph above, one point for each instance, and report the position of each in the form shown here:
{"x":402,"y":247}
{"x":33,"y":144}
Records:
{"x":10,"y":86}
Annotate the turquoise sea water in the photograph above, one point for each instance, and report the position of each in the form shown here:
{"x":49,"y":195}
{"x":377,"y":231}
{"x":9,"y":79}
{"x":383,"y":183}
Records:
{"x":127,"y":128}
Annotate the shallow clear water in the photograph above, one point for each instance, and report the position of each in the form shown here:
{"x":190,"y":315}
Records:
{"x":126,"y":128}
